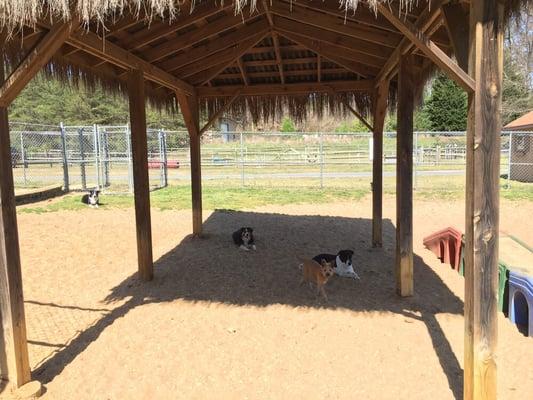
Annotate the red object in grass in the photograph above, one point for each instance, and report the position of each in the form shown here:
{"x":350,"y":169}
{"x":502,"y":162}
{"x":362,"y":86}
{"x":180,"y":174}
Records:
{"x":155,"y":164}
{"x":446,"y":244}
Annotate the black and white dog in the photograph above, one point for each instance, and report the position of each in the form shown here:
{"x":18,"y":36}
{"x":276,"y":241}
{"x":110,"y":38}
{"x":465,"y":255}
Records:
{"x":92,"y":198}
{"x":342,"y":262}
{"x":244,"y":238}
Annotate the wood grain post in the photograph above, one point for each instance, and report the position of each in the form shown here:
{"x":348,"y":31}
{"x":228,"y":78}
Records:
{"x":191,"y":117}
{"x":482,"y":199}
{"x":404,"y":178}
{"x":14,"y":362}
{"x":381,"y":95}
{"x":141,"y":183}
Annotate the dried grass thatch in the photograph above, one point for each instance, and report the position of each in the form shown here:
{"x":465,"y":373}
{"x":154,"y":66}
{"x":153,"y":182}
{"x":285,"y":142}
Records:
{"x":17,"y":13}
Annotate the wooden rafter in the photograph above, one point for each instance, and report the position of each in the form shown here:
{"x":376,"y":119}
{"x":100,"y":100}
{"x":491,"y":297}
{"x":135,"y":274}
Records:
{"x":289,"y":88}
{"x":222,"y":109}
{"x":189,"y":39}
{"x":279,"y":59}
{"x":273,"y":74}
{"x":36,"y":60}
{"x":458,"y":27}
{"x":348,"y":47}
{"x":318,"y":68}
{"x":242,"y":68}
{"x":423,"y":23}
{"x":105,"y":50}
{"x":230,"y":57}
{"x":203,"y":51}
{"x":335,"y":24}
{"x":275,"y":40}
{"x":326,"y":52}
{"x":147,"y":36}
{"x":429,"y":48}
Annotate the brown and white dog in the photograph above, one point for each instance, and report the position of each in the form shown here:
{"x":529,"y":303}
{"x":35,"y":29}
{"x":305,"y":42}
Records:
{"x":317,"y":273}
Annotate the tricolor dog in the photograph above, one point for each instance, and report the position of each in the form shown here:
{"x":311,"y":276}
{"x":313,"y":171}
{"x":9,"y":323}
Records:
{"x":244,"y":238}
{"x":92,"y":198}
{"x":342,"y":263}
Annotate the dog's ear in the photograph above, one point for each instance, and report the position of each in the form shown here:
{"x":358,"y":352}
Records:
{"x":251,"y":229}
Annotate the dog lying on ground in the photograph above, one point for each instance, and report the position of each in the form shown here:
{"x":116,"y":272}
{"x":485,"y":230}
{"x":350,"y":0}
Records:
{"x":342,"y":263}
{"x":316,"y":272}
{"x":244,"y":238}
{"x":92,"y":198}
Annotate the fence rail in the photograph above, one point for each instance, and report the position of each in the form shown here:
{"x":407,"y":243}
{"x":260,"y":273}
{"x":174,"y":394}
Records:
{"x":81,"y":157}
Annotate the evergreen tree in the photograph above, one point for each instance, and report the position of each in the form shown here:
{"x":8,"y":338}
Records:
{"x":446,"y":107}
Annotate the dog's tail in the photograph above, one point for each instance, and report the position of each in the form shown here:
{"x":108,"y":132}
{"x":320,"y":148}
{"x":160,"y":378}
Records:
{"x":302,"y":260}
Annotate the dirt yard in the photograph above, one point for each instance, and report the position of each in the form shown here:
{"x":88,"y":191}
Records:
{"x":220,"y":323}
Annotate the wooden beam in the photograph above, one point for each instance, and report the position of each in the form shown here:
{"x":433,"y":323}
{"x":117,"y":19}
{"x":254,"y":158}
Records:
{"x":200,"y":53}
{"x":358,"y":115}
{"x":279,"y":59}
{"x":420,"y":40}
{"x":189,"y":39}
{"x":105,"y":50}
{"x":223,"y":57}
{"x":335,"y":24}
{"x":318,"y":68}
{"x":227,"y":59}
{"x":163,"y":29}
{"x":274,"y":74}
{"x":458,"y":26}
{"x":287,"y":89}
{"x":242,"y":68}
{"x":404,"y":178}
{"x":14,"y":361}
{"x":381,"y":96}
{"x":36,"y":60}
{"x":189,"y":109}
{"x":482,"y":199}
{"x":326,"y":51}
{"x":216,"y":115}
{"x":348,"y":47}
{"x":139,"y":152}
{"x":423,"y":23}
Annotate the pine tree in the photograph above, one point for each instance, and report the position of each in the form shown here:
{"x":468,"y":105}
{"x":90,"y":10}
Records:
{"x":446,"y":108}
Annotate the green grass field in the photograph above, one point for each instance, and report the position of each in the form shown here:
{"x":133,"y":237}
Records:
{"x":225,"y":194}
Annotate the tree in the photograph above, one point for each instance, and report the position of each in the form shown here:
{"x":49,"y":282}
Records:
{"x":446,"y":107}
{"x":287,"y":125}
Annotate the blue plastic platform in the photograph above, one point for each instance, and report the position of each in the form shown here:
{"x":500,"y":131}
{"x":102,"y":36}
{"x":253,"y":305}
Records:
{"x":519,"y":257}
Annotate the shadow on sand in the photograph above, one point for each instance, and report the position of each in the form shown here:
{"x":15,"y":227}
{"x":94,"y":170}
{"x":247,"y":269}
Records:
{"x":212,"y":270}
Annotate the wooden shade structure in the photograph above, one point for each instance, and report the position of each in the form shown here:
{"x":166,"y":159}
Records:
{"x":361,"y":57}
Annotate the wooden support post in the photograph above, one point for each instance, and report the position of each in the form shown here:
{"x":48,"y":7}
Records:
{"x":404,"y":178}
{"x":381,"y":95}
{"x":482,"y":199}
{"x":141,"y":183}
{"x":191,"y":117}
{"x":14,"y":362}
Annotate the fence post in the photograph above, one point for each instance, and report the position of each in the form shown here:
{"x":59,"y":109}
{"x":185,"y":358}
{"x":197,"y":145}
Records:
{"x":509,"y":160}
{"x":415,"y":162}
{"x":105,"y":145}
{"x":82,"y":157}
{"x":130,"y":166}
{"x":23,"y":157}
{"x":165,"y":156}
{"x":321,"y":146}
{"x":96,"y":154}
{"x":161,"y":159}
{"x":242,"y":161}
{"x":65,"y":158}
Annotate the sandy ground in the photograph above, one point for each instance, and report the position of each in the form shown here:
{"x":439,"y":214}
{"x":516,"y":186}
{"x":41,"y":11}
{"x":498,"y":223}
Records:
{"x":220,"y":323}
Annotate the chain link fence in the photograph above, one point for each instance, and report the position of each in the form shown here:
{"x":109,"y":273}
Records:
{"x":84,"y":157}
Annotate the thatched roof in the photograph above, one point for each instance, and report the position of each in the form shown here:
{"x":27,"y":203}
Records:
{"x":219,"y":46}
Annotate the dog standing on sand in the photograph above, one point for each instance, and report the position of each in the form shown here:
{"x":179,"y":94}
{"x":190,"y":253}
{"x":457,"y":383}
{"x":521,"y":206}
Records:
{"x":317,"y":273}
